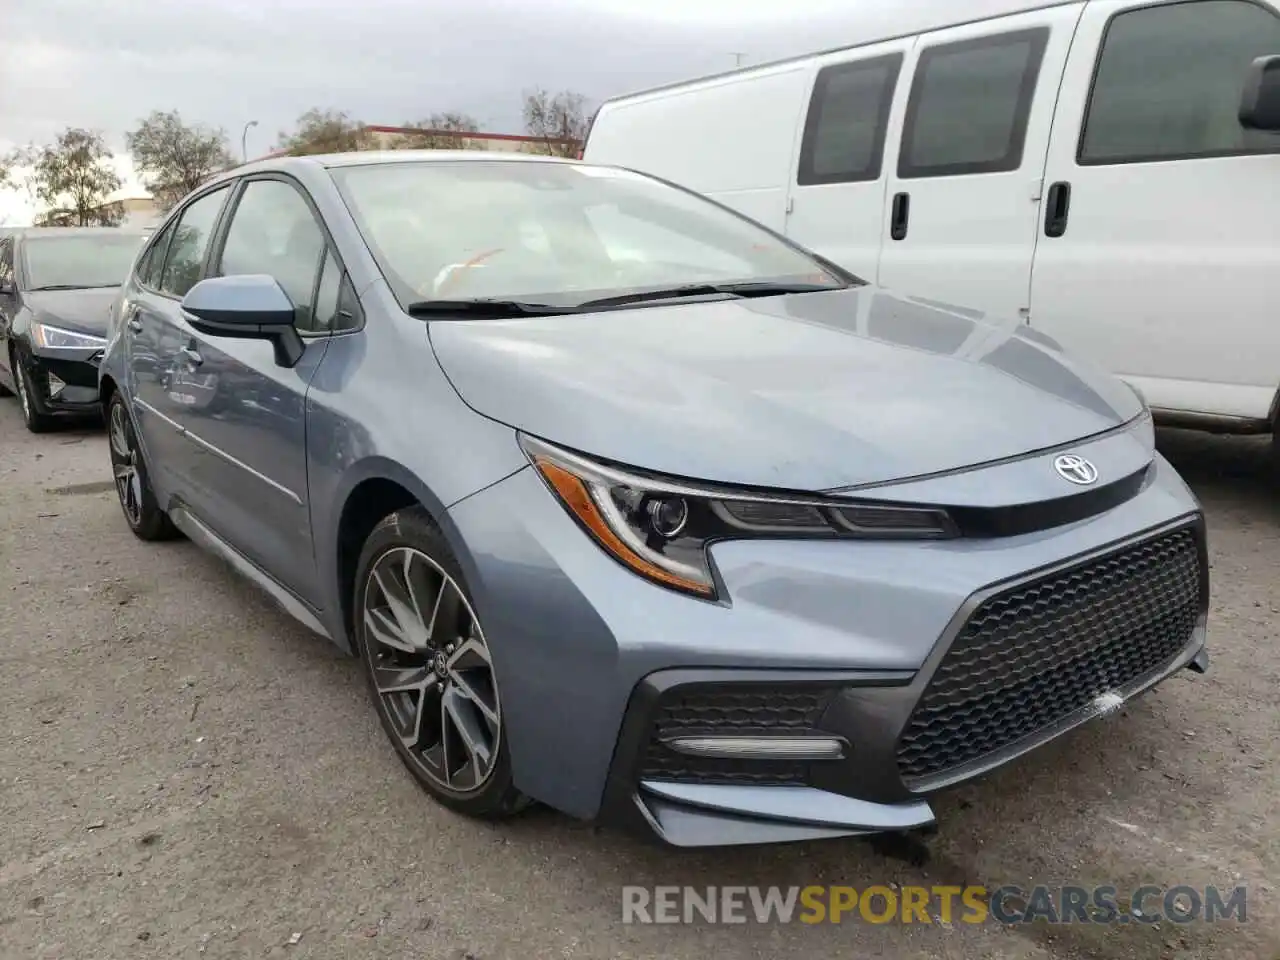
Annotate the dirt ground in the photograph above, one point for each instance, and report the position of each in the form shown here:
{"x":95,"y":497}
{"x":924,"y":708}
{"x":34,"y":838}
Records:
{"x":185,"y":772}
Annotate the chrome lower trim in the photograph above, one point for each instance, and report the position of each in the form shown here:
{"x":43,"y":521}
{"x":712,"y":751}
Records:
{"x":764,"y":748}
{"x":202,"y":536}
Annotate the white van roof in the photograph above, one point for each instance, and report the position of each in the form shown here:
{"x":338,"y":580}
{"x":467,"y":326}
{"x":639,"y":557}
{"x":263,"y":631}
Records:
{"x":876,"y":21}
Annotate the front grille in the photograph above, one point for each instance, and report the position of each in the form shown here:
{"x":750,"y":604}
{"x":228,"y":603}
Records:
{"x":1031,"y":657}
{"x":730,"y":709}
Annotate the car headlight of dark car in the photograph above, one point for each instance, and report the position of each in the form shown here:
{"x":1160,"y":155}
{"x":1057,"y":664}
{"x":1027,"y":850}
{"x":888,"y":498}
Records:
{"x":661,"y":528}
{"x":49,"y":337}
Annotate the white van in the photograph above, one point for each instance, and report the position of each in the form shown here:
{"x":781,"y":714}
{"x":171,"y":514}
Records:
{"x":1105,"y":169}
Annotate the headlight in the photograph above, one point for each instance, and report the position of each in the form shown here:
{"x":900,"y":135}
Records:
{"x":55,"y":338}
{"x":661,"y":528}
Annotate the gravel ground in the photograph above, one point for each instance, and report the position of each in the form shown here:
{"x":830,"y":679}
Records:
{"x":186,"y":772}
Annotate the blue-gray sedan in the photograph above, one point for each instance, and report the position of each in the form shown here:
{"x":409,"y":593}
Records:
{"x":635,"y":508}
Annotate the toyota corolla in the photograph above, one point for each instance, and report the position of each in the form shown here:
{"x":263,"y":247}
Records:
{"x":635,"y":508}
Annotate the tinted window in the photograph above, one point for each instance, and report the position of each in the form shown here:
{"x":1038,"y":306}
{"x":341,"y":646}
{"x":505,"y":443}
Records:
{"x":274,"y":232}
{"x":190,"y":243}
{"x":844,"y":132}
{"x":80,"y":260}
{"x":152,"y":263}
{"x":1169,"y":81}
{"x":969,"y":105}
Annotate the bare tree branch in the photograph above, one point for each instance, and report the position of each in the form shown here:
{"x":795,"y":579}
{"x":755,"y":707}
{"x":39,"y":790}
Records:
{"x":440,"y":131}
{"x":325,"y":131}
{"x":176,"y":158}
{"x":73,"y":179}
{"x":559,"y":121}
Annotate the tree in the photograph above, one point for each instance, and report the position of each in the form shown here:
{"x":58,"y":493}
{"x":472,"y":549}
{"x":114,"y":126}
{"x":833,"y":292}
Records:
{"x":559,"y":121}
{"x":325,"y":131}
{"x":174,"y":157}
{"x":440,"y":132}
{"x":73,"y":179}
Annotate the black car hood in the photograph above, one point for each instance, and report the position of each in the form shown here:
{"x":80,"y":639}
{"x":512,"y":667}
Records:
{"x":806,"y":392}
{"x":86,"y":311}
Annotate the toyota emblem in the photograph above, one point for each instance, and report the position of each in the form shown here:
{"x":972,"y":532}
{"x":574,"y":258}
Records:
{"x":1075,"y":469}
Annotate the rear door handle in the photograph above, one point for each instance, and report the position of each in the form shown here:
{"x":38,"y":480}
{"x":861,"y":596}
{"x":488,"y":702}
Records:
{"x":900,"y":216}
{"x":1057,"y":206}
{"x":193,"y":359}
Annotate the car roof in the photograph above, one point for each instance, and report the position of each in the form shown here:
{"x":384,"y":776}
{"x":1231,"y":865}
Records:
{"x":374,"y":157}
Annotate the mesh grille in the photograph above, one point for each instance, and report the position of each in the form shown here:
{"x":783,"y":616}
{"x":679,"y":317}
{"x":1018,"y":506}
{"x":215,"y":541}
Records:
{"x":691,"y":710}
{"x":1033,"y":656}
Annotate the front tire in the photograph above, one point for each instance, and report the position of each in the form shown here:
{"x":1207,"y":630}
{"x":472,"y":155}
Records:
{"x":137,"y":501}
{"x":429,"y":668}
{"x":36,"y":419}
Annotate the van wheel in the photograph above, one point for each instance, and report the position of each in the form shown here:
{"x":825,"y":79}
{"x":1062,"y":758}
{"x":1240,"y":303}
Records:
{"x":429,"y":667}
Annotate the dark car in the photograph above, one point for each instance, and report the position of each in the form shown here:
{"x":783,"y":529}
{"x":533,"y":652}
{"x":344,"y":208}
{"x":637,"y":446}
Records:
{"x":57,"y":286}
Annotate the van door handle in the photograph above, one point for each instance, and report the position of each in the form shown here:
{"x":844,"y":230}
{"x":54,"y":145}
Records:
{"x":900,"y":216}
{"x":193,"y":359}
{"x":1057,"y":205}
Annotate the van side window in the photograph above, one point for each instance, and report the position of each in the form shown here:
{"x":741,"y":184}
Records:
{"x":969,"y":105}
{"x":1169,"y":79}
{"x":845,"y":128}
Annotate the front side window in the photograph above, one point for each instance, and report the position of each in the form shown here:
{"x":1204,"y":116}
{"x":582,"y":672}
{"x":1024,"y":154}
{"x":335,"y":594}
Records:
{"x":969,"y":105}
{"x":559,"y":234}
{"x":848,"y":113}
{"x":78,"y":261}
{"x":1169,"y":80}
{"x":274,"y":232}
{"x":190,"y":244}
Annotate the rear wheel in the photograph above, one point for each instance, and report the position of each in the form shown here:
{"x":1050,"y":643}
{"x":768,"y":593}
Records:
{"x":137,"y":501}
{"x":429,"y":667}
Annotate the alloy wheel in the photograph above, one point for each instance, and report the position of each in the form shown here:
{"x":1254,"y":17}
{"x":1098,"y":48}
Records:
{"x":124,"y":463}
{"x":432,"y":670}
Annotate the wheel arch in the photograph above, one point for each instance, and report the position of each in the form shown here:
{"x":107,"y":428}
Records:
{"x":372,"y":490}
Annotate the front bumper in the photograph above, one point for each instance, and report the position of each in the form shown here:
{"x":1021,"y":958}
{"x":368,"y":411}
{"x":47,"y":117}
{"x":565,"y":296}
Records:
{"x":587,"y":653}
{"x":65,"y":381}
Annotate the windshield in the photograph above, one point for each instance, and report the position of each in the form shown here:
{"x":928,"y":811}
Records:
{"x":84,"y":260}
{"x":553,"y":233}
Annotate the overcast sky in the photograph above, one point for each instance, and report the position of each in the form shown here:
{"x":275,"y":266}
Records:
{"x":104,"y":64}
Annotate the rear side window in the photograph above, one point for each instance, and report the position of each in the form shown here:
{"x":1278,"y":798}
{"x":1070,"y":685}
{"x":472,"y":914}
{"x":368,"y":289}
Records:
{"x":189,"y":244}
{"x":1169,"y":79}
{"x":969,"y":105}
{"x":845,"y":129}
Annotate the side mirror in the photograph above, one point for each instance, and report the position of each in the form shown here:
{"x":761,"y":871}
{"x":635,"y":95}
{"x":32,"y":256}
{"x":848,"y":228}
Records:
{"x":251,"y":307}
{"x":1260,"y":102}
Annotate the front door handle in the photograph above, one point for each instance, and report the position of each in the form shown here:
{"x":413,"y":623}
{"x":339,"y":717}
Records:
{"x":1057,"y":206}
{"x":192,"y":357}
{"x":900,"y":216}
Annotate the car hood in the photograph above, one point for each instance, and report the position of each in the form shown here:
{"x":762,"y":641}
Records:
{"x":806,"y":392}
{"x":84,"y":310}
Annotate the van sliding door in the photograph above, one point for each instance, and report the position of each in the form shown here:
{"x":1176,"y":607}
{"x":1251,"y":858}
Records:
{"x":963,"y":204}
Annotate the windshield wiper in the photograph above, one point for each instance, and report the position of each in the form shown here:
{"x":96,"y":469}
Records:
{"x":753,"y":288}
{"x":493,"y":309}
{"x":72,"y":286}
